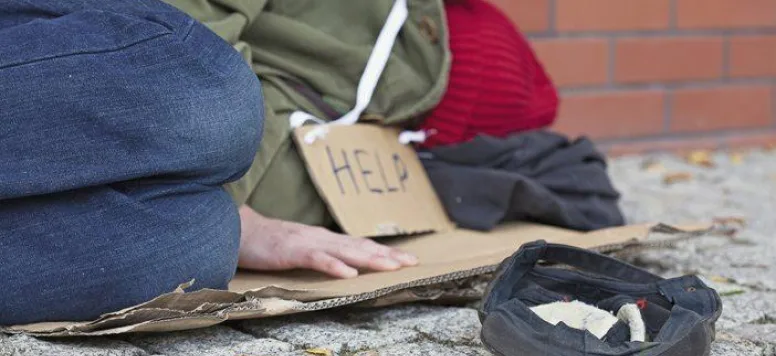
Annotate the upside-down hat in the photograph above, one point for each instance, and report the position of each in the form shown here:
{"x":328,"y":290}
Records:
{"x":602,"y":306}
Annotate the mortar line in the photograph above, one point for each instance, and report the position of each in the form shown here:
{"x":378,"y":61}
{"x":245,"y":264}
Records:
{"x":773,"y":103}
{"x":611,"y":70}
{"x":552,"y":20}
{"x":674,"y":136}
{"x":676,"y":85}
{"x":554,"y":33}
{"x":726,"y":58}
{"x":668,"y":112}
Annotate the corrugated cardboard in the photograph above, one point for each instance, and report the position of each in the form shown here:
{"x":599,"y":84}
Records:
{"x":454,"y":256}
{"x":372,"y":184}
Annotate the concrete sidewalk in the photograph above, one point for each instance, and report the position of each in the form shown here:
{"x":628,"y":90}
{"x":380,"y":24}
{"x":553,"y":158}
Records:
{"x":743,"y":270}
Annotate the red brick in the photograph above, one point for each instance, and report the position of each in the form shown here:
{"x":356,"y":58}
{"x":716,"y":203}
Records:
{"x":528,"y":15}
{"x":612,"y":114}
{"x":721,"y":108}
{"x":753,"y":56}
{"x":607,"y":15}
{"x":668,"y":59}
{"x":574,"y":62}
{"x":710,"y":14}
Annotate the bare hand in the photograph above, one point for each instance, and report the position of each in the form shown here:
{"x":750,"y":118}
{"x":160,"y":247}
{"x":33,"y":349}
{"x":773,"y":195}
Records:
{"x":272,"y":245}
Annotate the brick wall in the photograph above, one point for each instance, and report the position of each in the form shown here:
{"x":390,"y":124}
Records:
{"x":658,"y":74}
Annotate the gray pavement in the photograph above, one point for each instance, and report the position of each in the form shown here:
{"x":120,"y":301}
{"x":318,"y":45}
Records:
{"x":740,"y":186}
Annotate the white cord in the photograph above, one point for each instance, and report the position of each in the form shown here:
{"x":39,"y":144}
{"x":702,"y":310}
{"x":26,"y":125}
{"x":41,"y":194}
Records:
{"x":375,"y":66}
{"x":407,"y":137}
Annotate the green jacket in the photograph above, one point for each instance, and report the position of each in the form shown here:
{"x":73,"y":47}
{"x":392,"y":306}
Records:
{"x":310,"y":51}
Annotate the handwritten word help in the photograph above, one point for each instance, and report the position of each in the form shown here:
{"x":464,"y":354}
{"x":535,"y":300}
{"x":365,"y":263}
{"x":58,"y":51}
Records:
{"x":360,"y":171}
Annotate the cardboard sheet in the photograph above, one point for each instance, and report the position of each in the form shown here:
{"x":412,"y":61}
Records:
{"x":445,"y":257}
{"x":372,"y":184}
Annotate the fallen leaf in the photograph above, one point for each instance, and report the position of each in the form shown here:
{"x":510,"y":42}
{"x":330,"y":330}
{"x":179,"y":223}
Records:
{"x":319,"y":351}
{"x":652,"y":165}
{"x":749,"y":265}
{"x":673,"y":178}
{"x":737,"y":159}
{"x":720,"y":279}
{"x":369,"y":353}
{"x":730,"y":220}
{"x":731,"y":293}
{"x":701,"y":158}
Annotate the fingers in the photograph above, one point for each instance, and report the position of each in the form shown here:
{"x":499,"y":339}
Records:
{"x":363,"y":253}
{"x":406,"y":259}
{"x":268,"y":244}
{"x":323,"y":262}
{"x":363,"y":259}
{"x":403,"y":258}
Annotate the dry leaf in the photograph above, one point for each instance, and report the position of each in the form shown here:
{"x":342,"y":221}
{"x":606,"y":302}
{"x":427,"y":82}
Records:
{"x":652,"y":165}
{"x":720,"y":279}
{"x":730,"y":220}
{"x":737,"y":159}
{"x":672,"y":178}
{"x":319,"y":351}
{"x":731,"y":293}
{"x":701,"y":158}
{"x":369,"y":353}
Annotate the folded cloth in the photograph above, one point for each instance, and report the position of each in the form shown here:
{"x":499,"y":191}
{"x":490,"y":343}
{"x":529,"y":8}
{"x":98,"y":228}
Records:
{"x":534,"y":176}
{"x":599,"y":322}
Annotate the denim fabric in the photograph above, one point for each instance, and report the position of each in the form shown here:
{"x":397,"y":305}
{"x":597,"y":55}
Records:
{"x":119,"y":123}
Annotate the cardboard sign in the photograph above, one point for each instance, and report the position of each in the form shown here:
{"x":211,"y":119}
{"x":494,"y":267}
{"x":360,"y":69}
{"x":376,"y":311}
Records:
{"x":372,"y":184}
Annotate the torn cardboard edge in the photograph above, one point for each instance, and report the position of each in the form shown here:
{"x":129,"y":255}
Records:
{"x":260,"y":295}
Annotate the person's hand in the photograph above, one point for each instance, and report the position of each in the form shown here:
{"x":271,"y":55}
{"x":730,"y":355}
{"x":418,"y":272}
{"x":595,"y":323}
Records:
{"x":272,"y":245}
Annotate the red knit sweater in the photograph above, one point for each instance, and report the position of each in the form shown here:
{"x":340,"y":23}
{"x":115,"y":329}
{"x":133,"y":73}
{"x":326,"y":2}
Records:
{"x":496,"y":86}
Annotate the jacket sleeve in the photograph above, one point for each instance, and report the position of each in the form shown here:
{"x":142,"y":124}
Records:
{"x":227,"y":18}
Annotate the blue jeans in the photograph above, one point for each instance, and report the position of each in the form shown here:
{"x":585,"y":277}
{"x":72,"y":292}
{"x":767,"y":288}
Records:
{"x":119,"y":123}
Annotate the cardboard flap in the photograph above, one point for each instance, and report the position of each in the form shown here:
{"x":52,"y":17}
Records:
{"x":372,"y":184}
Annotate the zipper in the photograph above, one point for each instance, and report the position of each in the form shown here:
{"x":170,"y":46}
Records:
{"x":314,"y":98}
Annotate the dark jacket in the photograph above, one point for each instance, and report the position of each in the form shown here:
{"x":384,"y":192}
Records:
{"x":534,"y":176}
